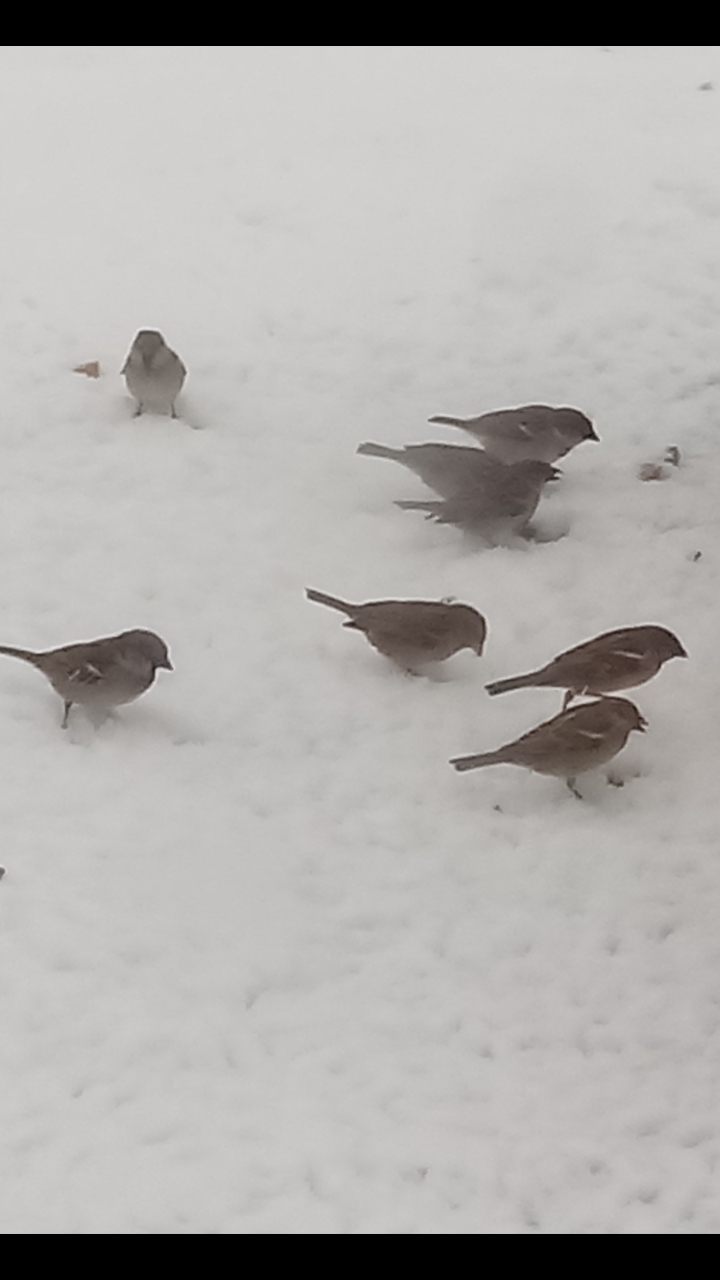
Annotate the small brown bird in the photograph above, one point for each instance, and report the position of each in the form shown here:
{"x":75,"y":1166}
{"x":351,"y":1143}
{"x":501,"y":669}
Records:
{"x":412,"y":633}
{"x":615,"y":660}
{"x":100,"y":674}
{"x":572,"y":743}
{"x":535,"y":431}
{"x":497,"y":511}
{"x":154,"y":374}
{"x":448,"y":469}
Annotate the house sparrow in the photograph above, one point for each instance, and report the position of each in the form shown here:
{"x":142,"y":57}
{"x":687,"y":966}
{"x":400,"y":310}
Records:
{"x":615,"y":660}
{"x":571,"y":743}
{"x":100,"y":674}
{"x":448,"y":469}
{"x":412,"y":632}
{"x":497,"y":511}
{"x":154,"y":374}
{"x":534,"y":431}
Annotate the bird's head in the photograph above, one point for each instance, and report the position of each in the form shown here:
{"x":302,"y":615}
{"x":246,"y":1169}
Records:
{"x":150,"y":646}
{"x":627,"y":713}
{"x":669,"y":646}
{"x":472,"y":627}
{"x":147,"y":343}
{"x":576,"y":426}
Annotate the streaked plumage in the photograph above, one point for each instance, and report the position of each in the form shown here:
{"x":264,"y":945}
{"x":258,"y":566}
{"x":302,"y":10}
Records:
{"x":573,"y":742}
{"x":615,"y":660}
{"x":536,"y":431}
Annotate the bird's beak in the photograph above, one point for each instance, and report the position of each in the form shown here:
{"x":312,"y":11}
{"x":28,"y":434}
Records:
{"x":682,"y":654}
{"x":643,"y":724}
{"x":593,"y":435}
{"x":166,"y":665}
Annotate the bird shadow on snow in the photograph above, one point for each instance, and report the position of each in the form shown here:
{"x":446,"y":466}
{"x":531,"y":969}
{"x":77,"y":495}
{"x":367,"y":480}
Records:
{"x":609,"y":792}
{"x":133,"y":725}
{"x":552,"y":526}
{"x":187,"y":415}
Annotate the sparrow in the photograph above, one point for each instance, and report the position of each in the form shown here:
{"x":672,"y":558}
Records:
{"x":498,"y":510}
{"x":615,"y":660}
{"x":412,"y":633}
{"x":154,"y":374}
{"x":573,"y":742}
{"x":535,"y":431}
{"x":100,"y":674}
{"x":448,"y":469}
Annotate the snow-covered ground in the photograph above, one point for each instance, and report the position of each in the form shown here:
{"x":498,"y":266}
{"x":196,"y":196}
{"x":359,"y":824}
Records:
{"x":267,"y":964}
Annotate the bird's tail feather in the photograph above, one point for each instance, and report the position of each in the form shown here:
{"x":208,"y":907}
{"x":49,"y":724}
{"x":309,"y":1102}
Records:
{"x":25,"y":654}
{"x":512,"y":682}
{"x":433,"y":510}
{"x":379,"y":451}
{"x":448,"y":422}
{"x":461,"y":763}
{"x":319,"y":597}
{"x":406,"y":504}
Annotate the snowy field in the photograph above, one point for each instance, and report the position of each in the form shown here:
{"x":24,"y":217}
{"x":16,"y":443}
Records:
{"x":267,"y":964}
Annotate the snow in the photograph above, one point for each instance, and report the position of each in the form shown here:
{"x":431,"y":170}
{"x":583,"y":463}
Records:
{"x":268,"y":965}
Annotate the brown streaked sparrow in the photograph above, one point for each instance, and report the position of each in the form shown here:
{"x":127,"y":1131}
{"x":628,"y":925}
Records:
{"x":573,"y":742}
{"x":615,"y":660}
{"x":448,"y":469}
{"x":412,"y":633}
{"x":100,"y":674}
{"x":534,"y":431}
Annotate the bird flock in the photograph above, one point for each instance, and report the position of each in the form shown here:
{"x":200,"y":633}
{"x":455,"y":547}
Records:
{"x":102,"y":674}
{"x":491,"y":492}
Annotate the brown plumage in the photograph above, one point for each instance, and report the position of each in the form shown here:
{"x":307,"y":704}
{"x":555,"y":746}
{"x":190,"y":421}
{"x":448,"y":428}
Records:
{"x":536,"y":431}
{"x":447,"y":469}
{"x":573,"y":742}
{"x":100,"y":674}
{"x":497,"y":511}
{"x":615,"y":660}
{"x":412,"y":633}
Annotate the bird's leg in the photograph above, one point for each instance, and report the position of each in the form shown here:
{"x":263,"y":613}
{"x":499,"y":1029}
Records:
{"x":614,"y":780}
{"x":138,"y":411}
{"x":578,"y":693}
{"x":173,"y":413}
{"x":64,"y":724}
{"x":571,"y":784}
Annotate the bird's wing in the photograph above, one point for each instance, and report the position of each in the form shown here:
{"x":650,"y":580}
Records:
{"x":424,"y":630}
{"x":568,"y":732}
